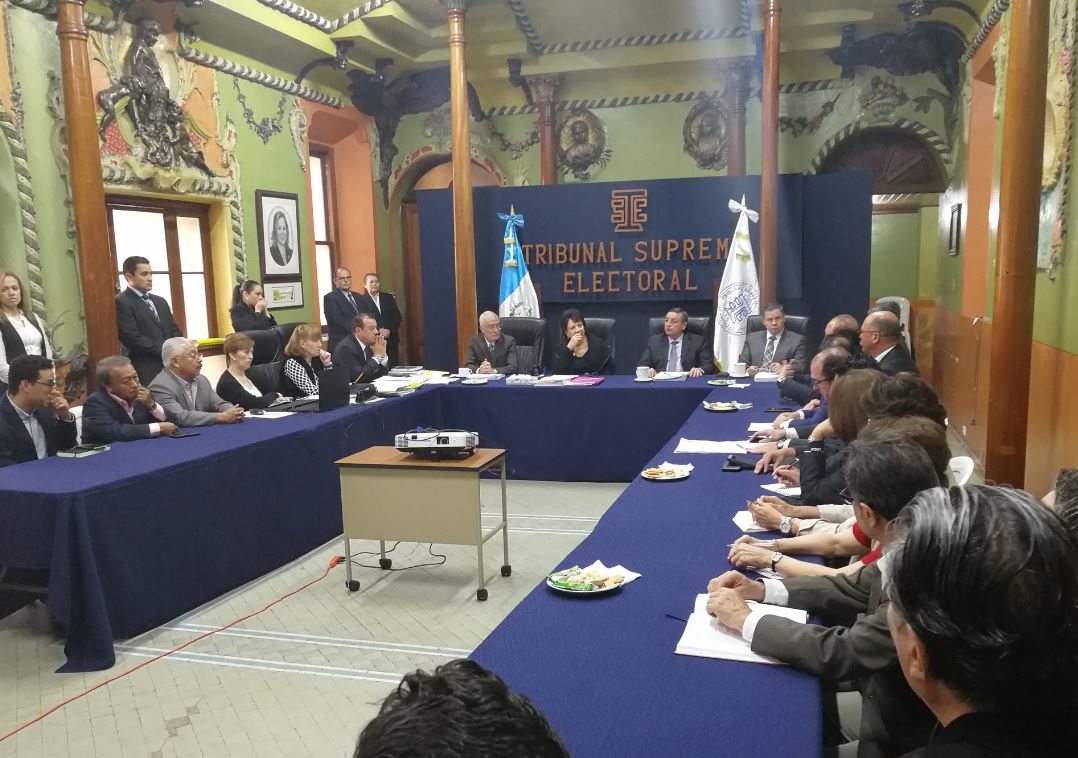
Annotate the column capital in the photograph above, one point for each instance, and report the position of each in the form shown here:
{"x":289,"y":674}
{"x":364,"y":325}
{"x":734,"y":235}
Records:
{"x":455,"y":5}
{"x":545,"y":87}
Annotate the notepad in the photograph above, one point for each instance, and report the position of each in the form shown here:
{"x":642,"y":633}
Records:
{"x":782,"y":490}
{"x":760,"y":426}
{"x":705,"y":637}
{"x":711,"y":446}
{"x":743,"y":521}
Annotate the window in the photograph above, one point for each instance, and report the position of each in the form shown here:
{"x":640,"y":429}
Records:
{"x":325,"y":229}
{"x":174,"y":237}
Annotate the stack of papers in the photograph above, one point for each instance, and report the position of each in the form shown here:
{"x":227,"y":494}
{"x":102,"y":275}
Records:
{"x":782,"y":490}
{"x":270,"y":414}
{"x":711,"y":446}
{"x":743,"y":520}
{"x":766,"y":376}
{"x":669,"y":376}
{"x":555,"y":379}
{"x":760,"y":426}
{"x":705,"y":637}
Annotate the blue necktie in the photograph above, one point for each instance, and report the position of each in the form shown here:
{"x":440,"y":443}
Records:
{"x":153,"y":308}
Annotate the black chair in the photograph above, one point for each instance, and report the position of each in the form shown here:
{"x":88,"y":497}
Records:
{"x":530,"y":336}
{"x":603,"y":328}
{"x":799,"y":324}
{"x":267,"y":344}
{"x":284,"y":333}
{"x":697,"y":325}
{"x":267,"y":376}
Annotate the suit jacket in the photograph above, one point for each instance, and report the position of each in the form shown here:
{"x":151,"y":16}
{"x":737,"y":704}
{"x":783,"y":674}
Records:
{"x":898,"y":360}
{"x":231,"y":391}
{"x":349,"y":355}
{"x":593,"y":362}
{"x":170,"y":394}
{"x":799,"y":389}
{"x":389,"y":317}
{"x":894,"y":721}
{"x":281,"y":257}
{"x":823,"y":475}
{"x":339,"y":314}
{"x":816,"y":416}
{"x":792,"y":347}
{"x":142,"y":335}
{"x":103,"y":420}
{"x":16,"y":444}
{"x":245,"y":319}
{"x":503,"y":359}
{"x":695,"y":353}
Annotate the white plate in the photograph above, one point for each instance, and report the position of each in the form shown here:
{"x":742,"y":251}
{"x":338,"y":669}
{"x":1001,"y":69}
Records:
{"x":638,"y":379}
{"x":567,"y":591}
{"x":474,"y":381}
{"x":738,"y":376}
{"x":675,"y":478}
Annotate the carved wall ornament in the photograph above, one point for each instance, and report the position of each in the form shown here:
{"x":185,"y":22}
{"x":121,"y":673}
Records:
{"x":798,"y":125}
{"x":582,"y":144}
{"x":881,"y":98}
{"x":297,"y":124}
{"x":931,"y":46}
{"x":267,"y":126}
{"x":705,"y":134}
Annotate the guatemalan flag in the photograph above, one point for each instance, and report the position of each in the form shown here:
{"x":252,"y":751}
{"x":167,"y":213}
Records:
{"x":739,"y":292}
{"x":516,"y":296}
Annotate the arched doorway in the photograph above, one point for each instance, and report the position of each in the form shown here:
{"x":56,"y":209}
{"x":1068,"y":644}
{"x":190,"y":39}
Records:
{"x":436,"y":172}
{"x":901,"y":163}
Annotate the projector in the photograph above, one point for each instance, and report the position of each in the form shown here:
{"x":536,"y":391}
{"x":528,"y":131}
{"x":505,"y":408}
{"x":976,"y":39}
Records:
{"x":437,"y":443}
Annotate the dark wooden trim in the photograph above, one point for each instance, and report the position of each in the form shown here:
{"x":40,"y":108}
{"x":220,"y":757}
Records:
{"x":769,"y":152}
{"x":175,"y":271}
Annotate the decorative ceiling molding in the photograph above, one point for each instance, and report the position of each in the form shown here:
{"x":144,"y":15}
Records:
{"x":988,"y":23}
{"x":323,"y":24}
{"x":524,"y":24}
{"x":186,"y":34}
{"x":641,"y":40}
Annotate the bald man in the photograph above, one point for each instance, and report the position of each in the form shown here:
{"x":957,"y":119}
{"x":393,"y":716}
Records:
{"x":881,"y":338}
{"x":841,"y":322}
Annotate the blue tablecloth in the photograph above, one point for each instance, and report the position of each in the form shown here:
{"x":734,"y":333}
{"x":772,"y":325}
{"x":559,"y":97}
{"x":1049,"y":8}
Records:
{"x":603,"y":669}
{"x":604,"y":433}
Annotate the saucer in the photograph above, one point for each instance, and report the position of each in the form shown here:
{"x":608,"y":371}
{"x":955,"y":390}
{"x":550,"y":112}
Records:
{"x":739,"y":376}
{"x":638,"y":379}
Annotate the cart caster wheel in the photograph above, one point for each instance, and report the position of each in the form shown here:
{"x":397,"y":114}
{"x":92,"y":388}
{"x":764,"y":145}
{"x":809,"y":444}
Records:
{"x":481,"y":594}
{"x":385,"y":563}
{"x":353,"y":586}
{"x":507,"y":570}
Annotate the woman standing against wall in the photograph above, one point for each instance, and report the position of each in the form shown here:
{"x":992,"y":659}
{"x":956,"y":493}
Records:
{"x":21,"y":332}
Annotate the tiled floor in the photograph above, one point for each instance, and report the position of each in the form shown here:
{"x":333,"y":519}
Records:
{"x":302,"y":678}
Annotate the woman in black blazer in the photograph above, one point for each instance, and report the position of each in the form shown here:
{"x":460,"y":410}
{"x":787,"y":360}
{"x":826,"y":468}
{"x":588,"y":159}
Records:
{"x":249,"y":308}
{"x":234,"y":385}
{"x":306,"y":360}
{"x":582,"y":354}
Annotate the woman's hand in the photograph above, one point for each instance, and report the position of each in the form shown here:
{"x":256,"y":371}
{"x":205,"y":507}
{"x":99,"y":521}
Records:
{"x":326,"y":358}
{"x":765,"y":515}
{"x":575,"y":342}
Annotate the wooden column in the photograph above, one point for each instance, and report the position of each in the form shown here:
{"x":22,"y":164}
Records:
{"x":545,"y":89}
{"x":87,"y":188}
{"x":1016,"y":246}
{"x":769,"y":155}
{"x":736,"y":88}
{"x":463,"y":223}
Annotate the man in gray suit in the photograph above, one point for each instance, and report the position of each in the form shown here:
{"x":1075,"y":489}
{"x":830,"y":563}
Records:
{"x":186,"y":395}
{"x":883,"y":474}
{"x":490,"y":351}
{"x":770,"y":349}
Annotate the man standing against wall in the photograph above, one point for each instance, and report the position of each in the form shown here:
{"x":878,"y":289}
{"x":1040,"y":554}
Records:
{"x":144,"y":321}
{"x":340,"y":305}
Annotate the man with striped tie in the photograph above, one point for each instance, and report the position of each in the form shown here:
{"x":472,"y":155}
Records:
{"x":340,"y":306}
{"x":772,"y":348}
{"x":144,"y":321}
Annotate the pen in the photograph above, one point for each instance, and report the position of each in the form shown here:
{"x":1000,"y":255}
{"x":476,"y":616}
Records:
{"x":675,"y":618}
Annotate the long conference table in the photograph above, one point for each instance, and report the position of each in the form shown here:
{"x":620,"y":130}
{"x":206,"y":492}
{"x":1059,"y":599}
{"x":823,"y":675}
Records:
{"x":137,"y":536}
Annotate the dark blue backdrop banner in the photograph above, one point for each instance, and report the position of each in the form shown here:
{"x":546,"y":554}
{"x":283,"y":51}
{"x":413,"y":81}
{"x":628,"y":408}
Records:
{"x":630,"y":250}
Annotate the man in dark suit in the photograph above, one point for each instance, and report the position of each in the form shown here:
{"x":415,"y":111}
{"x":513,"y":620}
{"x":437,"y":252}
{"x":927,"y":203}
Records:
{"x":883,"y":474}
{"x":143,"y":320}
{"x":340,"y":306}
{"x":186,"y":395}
{"x":35,"y":421}
{"x":676,"y":349}
{"x":121,"y":409}
{"x":490,"y":351}
{"x":383,"y":307}
{"x":362,"y":356}
{"x":881,"y":337}
{"x":772,"y":348}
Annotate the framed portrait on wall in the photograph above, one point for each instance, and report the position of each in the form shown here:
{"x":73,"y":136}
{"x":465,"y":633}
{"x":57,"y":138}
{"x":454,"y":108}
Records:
{"x":284,"y":294}
{"x":954,"y":236}
{"x":278,"y":235}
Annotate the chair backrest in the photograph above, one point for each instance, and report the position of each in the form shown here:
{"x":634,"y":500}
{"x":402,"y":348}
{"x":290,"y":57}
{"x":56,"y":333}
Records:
{"x":267,"y":376}
{"x":284,"y":333}
{"x":961,"y":469}
{"x":903,"y":316}
{"x":697,"y":325}
{"x":267,"y":344}
{"x":603,"y":328}
{"x":530,"y":336}
{"x":799,"y":324}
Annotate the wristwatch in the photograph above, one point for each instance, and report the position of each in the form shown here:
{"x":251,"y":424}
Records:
{"x":775,"y":558}
{"x":784,"y":525}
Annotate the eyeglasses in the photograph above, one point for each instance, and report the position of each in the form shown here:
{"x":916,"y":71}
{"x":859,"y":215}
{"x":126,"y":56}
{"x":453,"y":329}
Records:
{"x":50,"y":383}
{"x":817,"y":382}
{"x":192,"y":356}
{"x":344,"y":278}
{"x":846,"y":496}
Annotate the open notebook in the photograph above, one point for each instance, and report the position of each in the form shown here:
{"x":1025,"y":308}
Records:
{"x":705,"y":637}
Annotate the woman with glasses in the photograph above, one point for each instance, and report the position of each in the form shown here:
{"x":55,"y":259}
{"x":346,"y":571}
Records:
{"x":21,"y":331}
{"x":306,"y":359}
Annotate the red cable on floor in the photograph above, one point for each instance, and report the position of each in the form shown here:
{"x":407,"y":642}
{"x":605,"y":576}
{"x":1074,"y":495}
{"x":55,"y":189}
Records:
{"x":332,"y":564}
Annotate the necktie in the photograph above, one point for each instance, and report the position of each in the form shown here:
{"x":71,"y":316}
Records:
{"x":490,"y":346}
{"x":672,"y":362}
{"x":366,"y":354}
{"x":352,"y":301}
{"x":153,"y":308}
{"x":769,"y":351}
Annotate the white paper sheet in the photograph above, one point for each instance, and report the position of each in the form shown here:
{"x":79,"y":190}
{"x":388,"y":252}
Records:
{"x":743,"y":521}
{"x":670,"y":376}
{"x":760,"y":426}
{"x":782,"y":490}
{"x":711,"y":446}
{"x":705,"y":637}
{"x":270,"y":414}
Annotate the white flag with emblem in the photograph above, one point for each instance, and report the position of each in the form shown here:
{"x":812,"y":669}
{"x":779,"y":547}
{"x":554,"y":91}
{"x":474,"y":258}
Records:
{"x":739,"y":293}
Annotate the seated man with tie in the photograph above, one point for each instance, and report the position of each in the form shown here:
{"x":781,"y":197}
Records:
{"x":186,"y":395}
{"x":144,"y":321}
{"x":676,"y":349}
{"x":362,"y":357}
{"x":121,"y":409}
{"x":340,"y":305}
{"x":35,"y":421}
{"x":770,"y":349}
{"x":490,"y":351}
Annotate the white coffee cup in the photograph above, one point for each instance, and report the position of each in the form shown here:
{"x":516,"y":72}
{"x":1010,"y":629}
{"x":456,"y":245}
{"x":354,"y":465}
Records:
{"x":641,"y":372}
{"x":464,"y":371}
{"x":738,"y":369}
